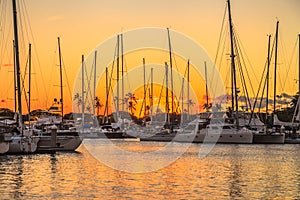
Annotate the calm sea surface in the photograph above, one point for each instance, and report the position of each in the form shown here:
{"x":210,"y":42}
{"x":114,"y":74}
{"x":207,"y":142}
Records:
{"x":228,"y":172}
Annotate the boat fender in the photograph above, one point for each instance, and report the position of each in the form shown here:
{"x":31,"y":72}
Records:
{"x":281,"y":129}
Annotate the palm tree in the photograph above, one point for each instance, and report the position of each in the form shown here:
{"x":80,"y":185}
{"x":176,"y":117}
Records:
{"x":98,"y":105}
{"x":207,"y":106}
{"x":77,"y":98}
{"x":191,"y":103}
{"x":294,"y":101}
{"x":88,"y":108}
{"x":131,"y":100}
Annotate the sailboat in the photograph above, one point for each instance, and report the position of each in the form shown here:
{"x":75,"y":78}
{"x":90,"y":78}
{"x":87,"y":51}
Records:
{"x":18,"y":140}
{"x":218,"y":131}
{"x":274,"y":136}
{"x":156,"y":131}
{"x":293,"y":138}
{"x":159,"y":132}
{"x":56,"y":134}
{"x":292,"y":124}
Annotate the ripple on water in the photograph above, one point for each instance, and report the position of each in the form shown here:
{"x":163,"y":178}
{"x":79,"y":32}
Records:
{"x":228,"y":172}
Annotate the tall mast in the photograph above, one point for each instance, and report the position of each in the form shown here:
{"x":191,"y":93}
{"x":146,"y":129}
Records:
{"x":171,"y":67}
{"x":206,"y":90}
{"x":299,"y":64}
{"x":61,"y":81}
{"x":299,"y":77}
{"x":29,"y":82}
{"x":182,"y":100}
{"x":275,"y":68}
{"x":188,"y":90}
{"x":145,"y":90}
{"x":268,"y":75}
{"x":144,"y":67}
{"x":95,"y":71}
{"x":118,"y":75}
{"x":106,"y":91}
{"x":82,"y":90}
{"x":18,"y":71}
{"x":15,"y":87}
{"x":232,"y":55}
{"x":151,"y":93}
{"x":122,"y":60}
{"x":167,"y":94}
{"x":232,"y":92}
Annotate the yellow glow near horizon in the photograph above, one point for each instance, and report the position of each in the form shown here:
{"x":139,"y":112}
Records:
{"x":85,"y":24}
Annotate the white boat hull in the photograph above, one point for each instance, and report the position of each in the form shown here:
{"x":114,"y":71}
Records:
{"x":63,"y":143}
{"x":231,"y":136}
{"x":159,"y":137}
{"x":19,"y":145}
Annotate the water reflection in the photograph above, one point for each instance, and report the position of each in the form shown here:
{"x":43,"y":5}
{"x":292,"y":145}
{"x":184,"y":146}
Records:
{"x":234,"y":180}
{"x":228,"y":172}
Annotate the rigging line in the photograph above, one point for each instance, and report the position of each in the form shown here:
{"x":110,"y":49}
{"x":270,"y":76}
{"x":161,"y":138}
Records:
{"x":259,"y":87}
{"x":92,"y":78}
{"x":66,"y":76}
{"x":110,"y":80}
{"x":290,"y":61}
{"x":225,"y":38}
{"x":35,"y":49}
{"x":261,"y":99}
{"x":3,"y":30}
{"x":160,"y":95}
{"x":227,"y":77}
{"x":87,"y":101}
{"x":8,"y":41}
{"x":111,"y":77}
{"x":284,"y":58}
{"x":219,"y":43}
{"x":220,"y":36}
{"x":185,"y":72}
{"x":23,"y":19}
{"x":243,"y":81}
{"x":49,"y":91}
{"x":23,"y":85}
{"x":144,"y":99}
{"x":271,"y":54}
{"x":283,"y":47}
{"x":175,"y":62}
{"x":180,"y":97}
{"x":260,"y":83}
{"x":176,"y":66}
{"x":126,"y":69}
{"x":11,"y":82}
{"x":89,"y":92}
{"x":5,"y":46}
{"x":239,"y":51}
{"x":225,"y":47}
{"x":245,"y":53}
{"x":85,"y":94}
{"x":21,"y":30}
{"x":263,"y":89}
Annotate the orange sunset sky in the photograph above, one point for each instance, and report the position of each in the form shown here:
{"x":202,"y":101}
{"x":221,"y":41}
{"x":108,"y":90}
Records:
{"x":82,"y":25}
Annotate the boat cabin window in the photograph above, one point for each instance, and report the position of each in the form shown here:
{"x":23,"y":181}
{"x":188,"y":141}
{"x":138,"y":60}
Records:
{"x":53,"y":108}
{"x":227,"y":127}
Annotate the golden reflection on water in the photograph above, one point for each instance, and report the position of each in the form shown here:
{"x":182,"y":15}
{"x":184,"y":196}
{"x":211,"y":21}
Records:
{"x":228,"y":172}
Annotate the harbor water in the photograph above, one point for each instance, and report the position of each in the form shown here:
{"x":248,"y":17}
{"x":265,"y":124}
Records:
{"x":227,"y":172}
